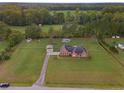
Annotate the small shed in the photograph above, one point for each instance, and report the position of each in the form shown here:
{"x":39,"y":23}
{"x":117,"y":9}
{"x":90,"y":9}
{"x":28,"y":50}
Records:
{"x":49,"y":48}
{"x":113,"y":37}
{"x":40,"y":25}
{"x":66,"y":40}
{"x":28,"y":40}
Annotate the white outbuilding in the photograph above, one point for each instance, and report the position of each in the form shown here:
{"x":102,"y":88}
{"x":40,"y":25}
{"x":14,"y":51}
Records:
{"x":49,"y":48}
{"x":116,"y":36}
{"x":28,"y":40}
{"x":66,"y":40}
{"x":121,"y":46}
{"x":113,"y":37}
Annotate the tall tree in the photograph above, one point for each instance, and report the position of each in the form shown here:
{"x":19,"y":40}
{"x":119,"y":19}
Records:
{"x":33,"y":31}
{"x":4,"y":31}
{"x":58,"y":18}
{"x":14,"y":38}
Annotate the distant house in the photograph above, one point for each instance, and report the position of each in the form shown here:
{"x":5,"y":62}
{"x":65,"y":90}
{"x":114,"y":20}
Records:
{"x":115,"y":36}
{"x":121,"y":46}
{"x":74,"y":51}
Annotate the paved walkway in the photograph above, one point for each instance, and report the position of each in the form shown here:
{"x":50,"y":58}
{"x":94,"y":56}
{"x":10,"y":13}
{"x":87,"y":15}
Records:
{"x":40,"y":81}
{"x":54,"y":53}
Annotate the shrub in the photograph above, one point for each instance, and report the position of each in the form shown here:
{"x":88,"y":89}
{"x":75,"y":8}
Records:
{"x":4,"y":55}
{"x":8,"y":49}
{"x":113,"y":49}
{"x":33,"y":31}
{"x":14,"y":38}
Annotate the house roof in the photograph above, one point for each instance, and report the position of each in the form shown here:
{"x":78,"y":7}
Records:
{"x":76,"y":49}
{"x":69,"y":48}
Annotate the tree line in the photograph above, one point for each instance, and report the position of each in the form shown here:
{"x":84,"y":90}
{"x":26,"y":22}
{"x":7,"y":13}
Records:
{"x":18,"y":16}
{"x":105,"y":23}
{"x":11,"y":37}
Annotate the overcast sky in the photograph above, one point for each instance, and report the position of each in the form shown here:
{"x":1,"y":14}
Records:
{"x":64,"y":1}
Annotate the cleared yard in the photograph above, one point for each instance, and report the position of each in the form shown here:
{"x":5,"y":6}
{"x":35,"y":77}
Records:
{"x":18,"y":28}
{"x":101,"y":71}
{"x":24,"y":67}
{"x":45,"y":28}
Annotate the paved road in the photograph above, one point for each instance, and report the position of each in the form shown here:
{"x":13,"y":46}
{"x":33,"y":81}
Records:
{"x":40,"y":81}
{"x":44,"y":88}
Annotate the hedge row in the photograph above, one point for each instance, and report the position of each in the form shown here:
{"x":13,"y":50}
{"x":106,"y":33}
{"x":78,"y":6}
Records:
{"x":110,"y":47}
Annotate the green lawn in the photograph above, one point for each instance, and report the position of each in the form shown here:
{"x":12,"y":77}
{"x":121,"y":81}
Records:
{"x":45,"y":28}
{"x":18,"y":28}
{"x":101,"y":71}
{"x":24,"y":67}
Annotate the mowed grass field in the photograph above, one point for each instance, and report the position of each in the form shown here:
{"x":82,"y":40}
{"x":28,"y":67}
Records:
{"x":24,"y":67}
{"x":45,"y":28}
{"x":101,"y":71}
{"x":18,"y":28}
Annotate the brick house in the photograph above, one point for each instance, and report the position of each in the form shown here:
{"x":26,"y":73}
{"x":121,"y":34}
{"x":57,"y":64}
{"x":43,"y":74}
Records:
{"x":74,"y":51}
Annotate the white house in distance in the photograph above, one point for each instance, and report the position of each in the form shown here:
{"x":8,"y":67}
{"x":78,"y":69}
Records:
{"x":121,"y":46}
{"x":116,"y":36}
